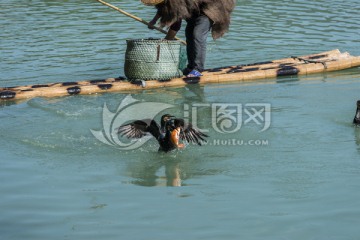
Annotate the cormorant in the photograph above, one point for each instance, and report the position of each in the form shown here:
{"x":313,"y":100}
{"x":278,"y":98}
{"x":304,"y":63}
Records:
{"x":168,"y":134}
{"x":357,"y":114}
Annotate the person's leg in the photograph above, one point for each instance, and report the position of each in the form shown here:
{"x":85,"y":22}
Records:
{"x":189,"y":33}
{"x":200,"y":27}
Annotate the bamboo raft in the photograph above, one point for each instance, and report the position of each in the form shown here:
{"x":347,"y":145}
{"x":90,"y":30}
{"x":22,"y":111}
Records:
{"x":315,"y":63}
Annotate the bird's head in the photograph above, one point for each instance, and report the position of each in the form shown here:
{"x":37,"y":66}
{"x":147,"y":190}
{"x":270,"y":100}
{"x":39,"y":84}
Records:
{"x":164,"y":119}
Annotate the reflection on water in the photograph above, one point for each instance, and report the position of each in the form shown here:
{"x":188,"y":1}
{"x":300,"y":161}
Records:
{"x":357,"y":136}
{"x":164,"y":171}
{"x":178,"y":168}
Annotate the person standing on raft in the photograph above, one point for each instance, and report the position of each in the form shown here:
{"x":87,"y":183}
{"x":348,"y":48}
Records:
{"x":202,"y":16}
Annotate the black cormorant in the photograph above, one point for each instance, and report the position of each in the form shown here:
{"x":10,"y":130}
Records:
{"x":357,"y":114}
{"x":169,"y":132}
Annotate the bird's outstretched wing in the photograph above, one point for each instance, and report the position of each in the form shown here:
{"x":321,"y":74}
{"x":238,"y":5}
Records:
{"x":191,"y":134}
{"x":139,"y":129}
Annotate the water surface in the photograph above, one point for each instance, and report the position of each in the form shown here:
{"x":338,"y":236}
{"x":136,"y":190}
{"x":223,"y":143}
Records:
{"x":59,"y":182}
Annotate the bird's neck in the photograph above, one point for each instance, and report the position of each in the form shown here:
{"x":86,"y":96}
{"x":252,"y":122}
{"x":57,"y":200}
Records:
{"x":357,"y":115}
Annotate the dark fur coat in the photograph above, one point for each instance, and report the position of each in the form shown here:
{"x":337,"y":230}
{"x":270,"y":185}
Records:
{"x":218,"y":11}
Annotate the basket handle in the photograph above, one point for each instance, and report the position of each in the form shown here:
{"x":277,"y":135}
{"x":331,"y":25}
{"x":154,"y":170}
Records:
{"x":158,"y":53}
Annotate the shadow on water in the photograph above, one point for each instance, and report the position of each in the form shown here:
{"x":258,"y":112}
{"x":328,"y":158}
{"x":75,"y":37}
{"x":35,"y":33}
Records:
{"x":7,"y":103}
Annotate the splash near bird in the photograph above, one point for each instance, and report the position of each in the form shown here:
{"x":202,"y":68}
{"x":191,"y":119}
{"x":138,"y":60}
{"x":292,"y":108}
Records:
{"x":168,"y":134}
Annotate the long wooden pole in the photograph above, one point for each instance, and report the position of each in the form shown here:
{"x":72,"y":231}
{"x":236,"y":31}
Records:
{"x":137,"y":19}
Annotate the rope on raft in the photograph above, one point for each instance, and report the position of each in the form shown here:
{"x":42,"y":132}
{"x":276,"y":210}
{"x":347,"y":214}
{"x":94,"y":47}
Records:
{"x":309,"y":61}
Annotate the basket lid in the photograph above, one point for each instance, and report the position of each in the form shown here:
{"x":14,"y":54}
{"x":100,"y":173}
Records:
{"x":158,"y":41}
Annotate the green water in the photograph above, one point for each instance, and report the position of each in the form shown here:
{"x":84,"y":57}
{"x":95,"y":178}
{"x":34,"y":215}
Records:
{"x":297,"y":179}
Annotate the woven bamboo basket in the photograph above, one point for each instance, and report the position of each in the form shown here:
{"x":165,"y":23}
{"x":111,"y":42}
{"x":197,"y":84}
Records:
{"x":148,"y":59}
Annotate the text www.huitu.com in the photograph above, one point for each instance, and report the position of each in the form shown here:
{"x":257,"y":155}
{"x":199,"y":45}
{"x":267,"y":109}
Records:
{"x":237,"y":142}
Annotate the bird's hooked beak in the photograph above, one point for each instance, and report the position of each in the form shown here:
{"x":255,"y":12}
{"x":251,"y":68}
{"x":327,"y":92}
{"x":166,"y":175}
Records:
{"x":165,"y":118}
{"x":169,"y":117}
